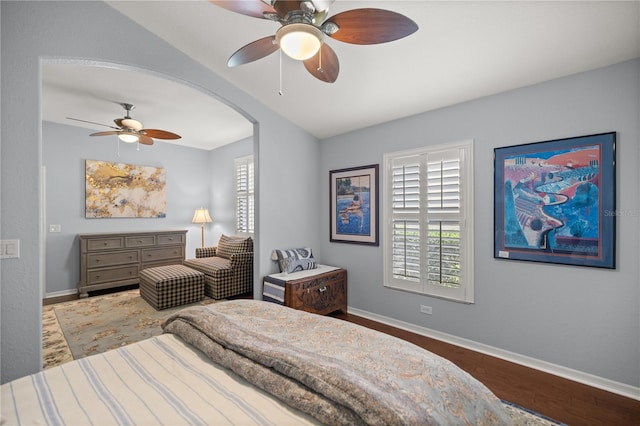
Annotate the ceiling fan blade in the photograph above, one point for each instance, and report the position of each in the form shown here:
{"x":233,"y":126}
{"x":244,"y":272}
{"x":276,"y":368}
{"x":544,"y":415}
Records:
{"x":253,"y":51}
{"x":145,"y":140}
{"x":159,"y":134}
{"x":371,"y":26}
{"x":92,"y":122}
{"x":110,"y":132}
{"x":324,"y":65}
{"x":255,"y":8}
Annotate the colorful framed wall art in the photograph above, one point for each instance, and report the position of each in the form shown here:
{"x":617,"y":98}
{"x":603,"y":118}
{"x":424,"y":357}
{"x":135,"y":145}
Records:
{"x":354,"y":205}
{"x":555,"y":201}
{"x":119,"y":190}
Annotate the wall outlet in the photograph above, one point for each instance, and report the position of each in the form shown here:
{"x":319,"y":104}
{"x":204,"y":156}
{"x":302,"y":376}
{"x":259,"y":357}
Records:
{"x":426,"y":309}
{"x":55,"y":228}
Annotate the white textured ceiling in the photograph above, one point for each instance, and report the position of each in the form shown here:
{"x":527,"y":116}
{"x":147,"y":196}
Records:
{"x":462,"y":51}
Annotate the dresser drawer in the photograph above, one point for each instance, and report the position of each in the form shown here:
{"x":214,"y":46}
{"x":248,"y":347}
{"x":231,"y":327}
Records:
{"x":140,"y":241}
{"x":120,"y":273}
{"x":111,"y":260}
{"x":97,"y":260}
{"x":105,"y":243}
{"x":167,"y":239}
{"x":152,"y":255}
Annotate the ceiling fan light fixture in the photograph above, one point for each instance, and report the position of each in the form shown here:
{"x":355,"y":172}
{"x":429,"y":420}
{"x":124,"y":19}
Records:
{"x":131,"y":124}
{"x":299,"y":41}
{"x":128,"y":137}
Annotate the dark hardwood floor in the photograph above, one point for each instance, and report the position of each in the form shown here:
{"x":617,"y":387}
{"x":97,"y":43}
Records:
{"x":564,"y":400}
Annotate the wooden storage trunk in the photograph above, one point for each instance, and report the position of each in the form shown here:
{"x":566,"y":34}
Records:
{"x":321,"y":291}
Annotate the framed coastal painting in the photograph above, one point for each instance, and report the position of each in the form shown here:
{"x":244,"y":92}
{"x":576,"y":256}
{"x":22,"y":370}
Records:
{"x":555,"y":201}
{"x":354,"y":205}
{"x":120,"y":190}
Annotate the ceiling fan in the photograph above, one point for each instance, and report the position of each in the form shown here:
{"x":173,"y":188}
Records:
{"x":131,"y":130}
{"x":305,"y":25}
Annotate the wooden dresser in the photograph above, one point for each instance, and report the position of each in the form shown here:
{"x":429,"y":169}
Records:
{"x":319,"y":292}
{"x":109,"y":260}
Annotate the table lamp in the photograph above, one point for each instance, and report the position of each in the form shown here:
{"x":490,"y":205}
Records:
{"x":201,"y":216}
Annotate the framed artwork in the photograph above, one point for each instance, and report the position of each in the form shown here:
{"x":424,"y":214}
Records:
{"x":555,"y":201}
{"x":354,"y":205}
{"x":115,"y":190}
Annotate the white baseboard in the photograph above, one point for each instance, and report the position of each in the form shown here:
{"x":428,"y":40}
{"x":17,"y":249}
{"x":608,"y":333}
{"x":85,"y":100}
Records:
{"x":60,"y":293}
{"x":557,"y":370}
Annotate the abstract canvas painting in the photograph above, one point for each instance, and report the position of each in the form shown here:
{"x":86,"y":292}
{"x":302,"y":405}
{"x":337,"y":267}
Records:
{"x":115,"y":190}
{"x":555,"y":201}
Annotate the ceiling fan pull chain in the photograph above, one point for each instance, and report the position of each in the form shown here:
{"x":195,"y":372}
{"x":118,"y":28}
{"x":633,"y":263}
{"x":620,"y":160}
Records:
{"x":280,"y":89}
{"x":320,"y":60}
{"x":118,"y":141}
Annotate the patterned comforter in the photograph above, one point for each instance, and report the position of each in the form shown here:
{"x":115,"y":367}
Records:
{"x":338,"y":372}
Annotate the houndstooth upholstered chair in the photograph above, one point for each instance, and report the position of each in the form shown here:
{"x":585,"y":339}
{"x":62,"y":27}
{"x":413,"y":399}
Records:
{"x":228,"y":267}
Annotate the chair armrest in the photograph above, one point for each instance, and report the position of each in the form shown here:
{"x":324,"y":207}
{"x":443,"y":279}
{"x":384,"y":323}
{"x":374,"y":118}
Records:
{"x":240,"y":259}
{"x":205,"y":252}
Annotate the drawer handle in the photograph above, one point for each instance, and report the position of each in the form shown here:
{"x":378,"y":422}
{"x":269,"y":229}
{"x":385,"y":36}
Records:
{"x":97,"y":277}
{"x":322,"y":289}
{"x":140,"y":241}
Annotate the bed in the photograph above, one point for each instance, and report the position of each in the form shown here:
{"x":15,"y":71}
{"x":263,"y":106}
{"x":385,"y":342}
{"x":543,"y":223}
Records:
{"x":251,"y":362}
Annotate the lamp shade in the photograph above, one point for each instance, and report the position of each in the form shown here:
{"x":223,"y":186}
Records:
{"x":299,"y":41}
{"x":201,"y":215}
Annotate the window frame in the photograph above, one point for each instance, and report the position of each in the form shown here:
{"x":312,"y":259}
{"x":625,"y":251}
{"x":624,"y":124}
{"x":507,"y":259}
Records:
{"x":248,"y":195}
{"x":464,"y":151}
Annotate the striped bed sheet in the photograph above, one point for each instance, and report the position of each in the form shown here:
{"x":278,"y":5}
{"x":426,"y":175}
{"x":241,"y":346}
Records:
{"x":273,"y":285}
{"x":161,"y":380}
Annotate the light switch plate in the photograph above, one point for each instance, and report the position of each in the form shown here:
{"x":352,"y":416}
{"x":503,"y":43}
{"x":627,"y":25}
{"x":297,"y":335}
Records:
{"x":10,"y":249}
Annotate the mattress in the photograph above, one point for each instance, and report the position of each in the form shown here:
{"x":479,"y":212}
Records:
{"x":162,"y":380}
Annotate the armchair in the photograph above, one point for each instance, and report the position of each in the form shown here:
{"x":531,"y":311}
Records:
{"x":228,"y":267}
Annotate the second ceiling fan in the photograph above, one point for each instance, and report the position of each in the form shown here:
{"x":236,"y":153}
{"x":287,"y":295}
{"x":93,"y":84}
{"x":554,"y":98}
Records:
{"x":304,"y":27}
{"x":131,"y":130}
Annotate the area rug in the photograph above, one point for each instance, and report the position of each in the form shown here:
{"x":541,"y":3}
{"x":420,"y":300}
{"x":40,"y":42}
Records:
{"x":98,"y":324}
{"x":73,"y":330}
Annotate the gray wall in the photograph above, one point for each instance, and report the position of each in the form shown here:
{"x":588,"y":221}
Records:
{"x":190,"y":185}
{"x":586,"y":319}
{"x":36,"y":31}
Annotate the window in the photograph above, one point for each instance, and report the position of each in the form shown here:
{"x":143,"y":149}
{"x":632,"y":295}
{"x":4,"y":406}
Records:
{"x":428,"y":229}
{"x":244,"y":194}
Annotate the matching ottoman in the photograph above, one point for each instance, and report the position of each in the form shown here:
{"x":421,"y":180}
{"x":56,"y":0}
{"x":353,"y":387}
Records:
{"x":173,"y":285}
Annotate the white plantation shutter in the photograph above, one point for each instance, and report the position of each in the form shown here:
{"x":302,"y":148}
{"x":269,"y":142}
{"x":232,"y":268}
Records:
{"x":428,"y":211}
{"x":244,"y":194}
{"x":443,"y":218}
{"x":405,"y":222}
